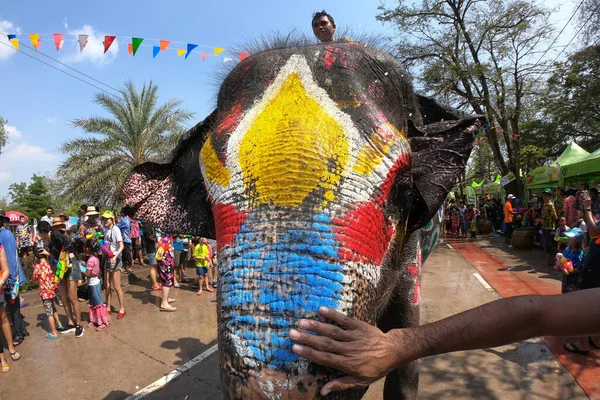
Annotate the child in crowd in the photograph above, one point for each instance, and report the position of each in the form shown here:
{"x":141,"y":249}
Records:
{"x":98,"y":313}
{"x":42,"y":273}
{"x":583,"y":226}
{"x":166,"y":275}
{"x":455,"y":222}
{"x":574,"y":253}
{"x":560,"y":231}
{"x":202,"y":258}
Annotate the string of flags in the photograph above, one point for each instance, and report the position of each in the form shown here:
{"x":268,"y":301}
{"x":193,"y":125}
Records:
{"x":132,"y":47}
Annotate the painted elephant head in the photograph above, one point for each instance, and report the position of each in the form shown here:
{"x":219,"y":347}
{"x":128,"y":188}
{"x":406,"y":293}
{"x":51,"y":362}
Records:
{"x":311,"y":174}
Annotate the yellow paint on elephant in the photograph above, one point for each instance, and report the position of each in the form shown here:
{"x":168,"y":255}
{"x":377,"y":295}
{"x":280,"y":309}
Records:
{"x":214,"y":169}
{"x":372,"y":153}
{"x":292,"y":148}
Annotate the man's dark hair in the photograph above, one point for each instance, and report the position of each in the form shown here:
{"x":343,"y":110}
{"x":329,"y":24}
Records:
{"x":44,"y":227}
{"x":83,"y":207}
{"x":320,"y":14}
{"x":50,"y":208}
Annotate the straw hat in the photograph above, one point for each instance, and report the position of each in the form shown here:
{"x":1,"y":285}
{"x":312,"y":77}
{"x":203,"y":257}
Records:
{"x":91,"y":211}
{"x":57,"y":221}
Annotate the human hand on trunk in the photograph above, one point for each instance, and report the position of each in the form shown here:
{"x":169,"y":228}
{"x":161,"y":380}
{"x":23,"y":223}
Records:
{"x":358,"y":349}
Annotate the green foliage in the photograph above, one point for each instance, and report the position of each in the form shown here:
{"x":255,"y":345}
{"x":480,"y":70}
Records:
{"x":138,"y":131}
{"x":32,"y":199}
{"x":532,"y":157}
{"x":589,"y":18}
{"x":3,"y":134}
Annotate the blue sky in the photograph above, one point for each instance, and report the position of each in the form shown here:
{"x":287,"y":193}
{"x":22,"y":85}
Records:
{"x":39,"y":101}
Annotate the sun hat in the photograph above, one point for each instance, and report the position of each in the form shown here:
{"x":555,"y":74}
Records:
{"x":91,"y":210}
{"x":57,"y":221}
{"x":574,"y":233}
{"x":64,"y":216}
{"x":108,"y":214}
{"x":3,"y":216}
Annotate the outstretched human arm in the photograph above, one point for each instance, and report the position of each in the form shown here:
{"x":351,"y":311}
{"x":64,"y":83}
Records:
{"x":366,"y":354}
{"x":593,"y":229}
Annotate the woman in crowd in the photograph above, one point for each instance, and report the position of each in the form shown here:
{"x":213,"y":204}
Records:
{"x":6,"y":330}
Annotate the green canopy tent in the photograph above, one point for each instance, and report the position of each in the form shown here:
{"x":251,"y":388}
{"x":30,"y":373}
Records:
{"x":478,"y":187}
{"x":584,"y":170}
{"x":549,"y":176}
{"x":494,"y":187}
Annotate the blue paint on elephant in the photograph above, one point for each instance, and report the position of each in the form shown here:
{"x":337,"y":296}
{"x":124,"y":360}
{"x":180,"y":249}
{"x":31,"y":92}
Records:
{"x":291,"y":278}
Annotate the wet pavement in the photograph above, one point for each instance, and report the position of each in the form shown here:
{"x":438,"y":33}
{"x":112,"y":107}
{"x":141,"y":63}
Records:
{"x":148,"y":344}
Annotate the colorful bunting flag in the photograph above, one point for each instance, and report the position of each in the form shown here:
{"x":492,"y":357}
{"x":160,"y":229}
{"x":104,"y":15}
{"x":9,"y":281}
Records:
{"x":190,"y":47}
{"x":15,"y":42}
{"x":34,"y":37}
{"x":204,"y":55}
{"x":58,"y":40}
{"x":218,"y":50}
{"x":164,"y":44}
{"x":82,"y":39}
{"x":136,"y":44}
{"x":227,"y":59}
{"x":129,"y":48}
{"x":243,"y":55}
{"x":180,"y":52}
{"x":38,"y":44}
{"x":12,"y":36}
{"x":155,"y":51}
{"x":108,"y":41}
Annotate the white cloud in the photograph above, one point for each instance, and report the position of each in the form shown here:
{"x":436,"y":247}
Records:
{"x":12,"y":131}
{"x":51,"y":120}
{"x":25,"y":152}
{"x":7,"y":27}
{"x":4,"y":176}
{"x":93,"y":50}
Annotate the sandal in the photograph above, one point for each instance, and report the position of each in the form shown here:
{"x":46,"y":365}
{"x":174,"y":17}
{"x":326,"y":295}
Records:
{"x":177,"y":286}
{"x":101,"y":328}
{"x":168,"y":309}
{"x":171,"y":301}
{"x":51,"y":336}
{"x":208,"y":289}
{"x":17,"y":340}
{"x":159,"y":287}
{"x":199,"y":293}
{"x":5,"y":368}
{"x":594,"y":345}
{"x":15,"y":356}
{"x":570,"y":347}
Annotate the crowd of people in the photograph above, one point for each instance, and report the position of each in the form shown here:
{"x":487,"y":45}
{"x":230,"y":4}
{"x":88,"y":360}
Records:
{"x":77,"y":263}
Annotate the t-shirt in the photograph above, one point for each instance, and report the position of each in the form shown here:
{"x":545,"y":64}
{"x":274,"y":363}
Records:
{"x":149,"y":242}
{"x":177,"y":244}
{"x":576,"y":256}
{"x":24,"y":235}
{"x":93,"y":265}
{"x":124,"y":225}
{"x":59,"y":241}
{"x":200,"y":253}
{"x":7,"y":239}
{"x":47,"y":219}
{"x":113,"y":237}
{"x":549,"y":217}
{"x":134,"y":229}
{"x":463,"y":214}
{"x":508,"y":216}
{"x":43,"y":274}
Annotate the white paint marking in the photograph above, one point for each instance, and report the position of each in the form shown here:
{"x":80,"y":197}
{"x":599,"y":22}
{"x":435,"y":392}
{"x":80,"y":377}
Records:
{"x":449,"y":246}
{"x":172,"y":375}
{"x":483,"y":282}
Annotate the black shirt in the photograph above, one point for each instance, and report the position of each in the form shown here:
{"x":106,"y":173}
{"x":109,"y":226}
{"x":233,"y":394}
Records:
{"x":59,"y":241}
{"x":149,"y":242}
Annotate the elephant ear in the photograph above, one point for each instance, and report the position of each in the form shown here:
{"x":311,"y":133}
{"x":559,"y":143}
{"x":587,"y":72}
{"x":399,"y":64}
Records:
{"x":440,"y":150}
{"x":172,"y":196}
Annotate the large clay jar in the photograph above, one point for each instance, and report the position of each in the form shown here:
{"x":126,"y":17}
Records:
{"x":484,"y":227}
{"x":522,"y":238}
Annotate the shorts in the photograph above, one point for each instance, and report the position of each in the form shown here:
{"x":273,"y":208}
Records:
{"x":49,"y":306}
{"x":201,"y":271}
{"x":126,"y":258}
{"x":548,"y":241}
{"x":137,"y":243}
{"x":165,"y":274}
{"x":152,"y":258}
{"x":2,"y":302}
{"x":73,"y":273}
{"x":112,"y":268}
{"x":177,"y":261}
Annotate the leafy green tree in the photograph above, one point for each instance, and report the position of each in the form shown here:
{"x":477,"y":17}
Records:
{"x":139,"y":130}
{"x":31,"y":199}
{"x":18,"y":193}
{"x":532,"y":157}
{"x":479,"y":54}
{"x":3,"y":134}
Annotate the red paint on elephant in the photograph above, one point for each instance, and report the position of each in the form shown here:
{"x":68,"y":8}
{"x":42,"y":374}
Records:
{"x":228,"y":222}
{"x":231,"y":121}
{"x":364,"y":234}
{"x":401,"y":163}
{"x":346,"y":60}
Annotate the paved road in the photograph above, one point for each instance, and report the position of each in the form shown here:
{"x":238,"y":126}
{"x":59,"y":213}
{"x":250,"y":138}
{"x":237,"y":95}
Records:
{"x":147,"y":344}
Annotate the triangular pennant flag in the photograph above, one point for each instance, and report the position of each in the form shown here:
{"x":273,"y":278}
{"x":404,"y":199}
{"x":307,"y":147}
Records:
{"x":164,"y":44}
{"x":129,"y":48}
{"x":204,"y":55}
{"x":180,"y":52}
{"x":190,"y":48}
{"x":15,"y":42}
{"x":155,"y":51}
{"x":108,"y":41}
{"x":57,"y":40}
{"x":11,"y":36}
{"x":243,"y":55}
{"x":62,"y":42}
{"x":218,"y":50}
{"x":227,"y":59}
{"x":82,"y":39}
{"x":38,"y":44}
{"x":35,"y":37}
{"x":136,"y":41}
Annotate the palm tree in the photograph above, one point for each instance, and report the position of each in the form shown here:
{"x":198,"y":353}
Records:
{"x":137,"y":132}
